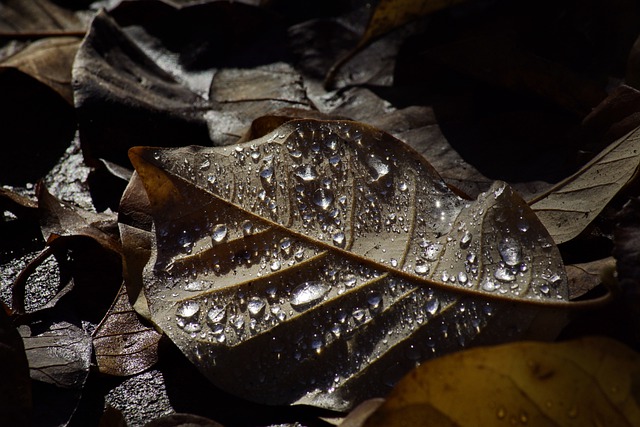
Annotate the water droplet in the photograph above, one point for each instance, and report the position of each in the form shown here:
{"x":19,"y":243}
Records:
{"x":219,"y":233}
{"x":498,"y":191}
{"x":322,"y":198}
{"x":522,"y":225}
{"x":308,"y":293}
{"x":285,"y":246}
{"x":255,"y":156}
{"x":334,"y":161}
{"x":358,"y":315}
{"x":432,"y":251}
{"x":393,"y":262}
{"x":247,"y":228}
{"x":266,"y":174}
{"x":378,"y":168}
{"x":216,"y":314}
{"x":374,"y":301}
{"x":465,"y":240}
{"x":462,"y":277}
{"x":510,"y":251}
{"x":187,"y":316}
{"x":339,"y":240}
{"x":432,"y":306}
{"x":275,"y":265}
{"x":545,"y":289}
{"x":403,"y":186}
{"x":488,"y":285}
{"x":504,"y":274}
{"x":306,"y":173}
{"x":421,"y":269}
{"x":256,"y":306}
{"x":194,"y":286}
{"x":205,"y":164}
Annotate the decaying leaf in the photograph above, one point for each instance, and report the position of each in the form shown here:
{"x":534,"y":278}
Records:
{"x":122,"y":344}
{"x":592,"y":381}
{"x":342,"y":252}
{"x":570,"y":206}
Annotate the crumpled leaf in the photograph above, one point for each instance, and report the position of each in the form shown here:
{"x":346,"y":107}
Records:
{"x":591,"y":381}
{"x":123,"y":345}
{"x":340,"y":250}
{"x":570,"y":206}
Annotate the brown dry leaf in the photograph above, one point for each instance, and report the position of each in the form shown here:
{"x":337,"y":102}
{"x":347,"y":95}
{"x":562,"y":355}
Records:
{"x":49,"y":61}
{"x":342,"y":251}
{"x":568,"y":207}
{"x":585,"y":276}
{"x":122,"y":344}
{"x":592,"y":381}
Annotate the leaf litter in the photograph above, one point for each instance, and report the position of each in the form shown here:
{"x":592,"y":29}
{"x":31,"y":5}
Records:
{"x":177,"y":58}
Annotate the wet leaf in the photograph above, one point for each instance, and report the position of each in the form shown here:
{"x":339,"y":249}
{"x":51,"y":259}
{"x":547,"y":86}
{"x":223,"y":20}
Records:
{"x":123,"y":345}
{"x":15,"y":407}
{"x":582,"y":382}
{"x":570,"y":206}
{"x":342,"y":251}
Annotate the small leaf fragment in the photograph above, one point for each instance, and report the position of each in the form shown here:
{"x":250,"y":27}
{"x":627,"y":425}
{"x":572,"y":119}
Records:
{"x":574,"y":383}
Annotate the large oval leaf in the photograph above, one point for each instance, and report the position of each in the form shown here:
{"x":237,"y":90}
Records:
{"x":321,"y":262}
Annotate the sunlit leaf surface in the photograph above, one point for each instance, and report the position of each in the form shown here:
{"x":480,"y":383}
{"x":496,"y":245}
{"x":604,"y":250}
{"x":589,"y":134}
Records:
{"x":322,"y":261}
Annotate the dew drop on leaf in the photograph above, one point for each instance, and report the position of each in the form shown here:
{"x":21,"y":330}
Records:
{"x":338,"y":239}
{"x":255,"y":306}
{"x":187,"y":316}
{"x":322,"y":198}
{"x":306,"y":173}
{"x":216,"y":314}
{"x":219,"y":233}
{"x":308,"y":293}
{"x":510,"y":251}
{"x":465,"y":240}
{"x":504,"y":274}
{"x":432,"y":306}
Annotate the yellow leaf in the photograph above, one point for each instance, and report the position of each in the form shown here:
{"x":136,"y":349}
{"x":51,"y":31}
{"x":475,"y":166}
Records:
{"x":587,"y":382}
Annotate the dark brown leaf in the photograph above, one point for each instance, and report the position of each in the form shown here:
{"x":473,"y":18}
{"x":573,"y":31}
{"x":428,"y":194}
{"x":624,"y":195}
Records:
{"x":183,"y":420}
{"x":123,"y":345}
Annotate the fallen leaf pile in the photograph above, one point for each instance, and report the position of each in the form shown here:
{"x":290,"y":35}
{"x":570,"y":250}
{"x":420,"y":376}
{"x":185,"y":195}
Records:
{"x":343,"y":213}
